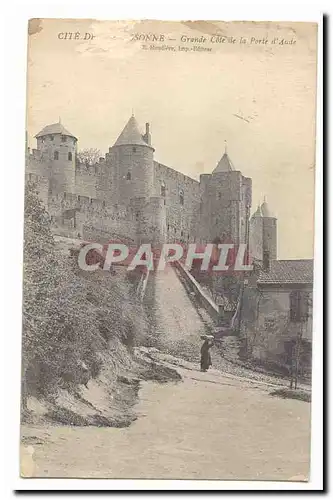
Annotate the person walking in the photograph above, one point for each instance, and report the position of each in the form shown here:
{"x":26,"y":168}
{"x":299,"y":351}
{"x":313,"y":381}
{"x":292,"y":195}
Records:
{"x":206,"y":360}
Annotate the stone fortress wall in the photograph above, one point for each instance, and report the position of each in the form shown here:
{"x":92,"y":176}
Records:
{"x":181,"y":198}
{"x":128,"y":195}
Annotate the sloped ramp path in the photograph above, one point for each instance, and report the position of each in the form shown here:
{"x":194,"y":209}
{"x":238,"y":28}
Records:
{"x":177,"y":323}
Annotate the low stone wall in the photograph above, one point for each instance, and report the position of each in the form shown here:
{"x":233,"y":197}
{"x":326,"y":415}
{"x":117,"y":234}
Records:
{"x":203,"y":298}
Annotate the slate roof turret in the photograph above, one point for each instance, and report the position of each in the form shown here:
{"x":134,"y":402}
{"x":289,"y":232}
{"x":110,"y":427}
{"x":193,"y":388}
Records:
{"x":131,"y":135}
{"x":53,"y":129}
{"x":224,"y":165}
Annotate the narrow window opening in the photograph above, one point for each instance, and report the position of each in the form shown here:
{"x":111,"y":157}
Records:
{"x":56,"y":155}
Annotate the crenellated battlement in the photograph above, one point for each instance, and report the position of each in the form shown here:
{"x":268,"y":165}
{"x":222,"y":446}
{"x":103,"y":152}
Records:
{"x":34,"y":155}
{"x":86,"y":169}
{"x":65,"y":201}
{"x":95,"y":169}
{"x":37,"y":163}
{"x":35,"y":178}
{"x":42,"y":185}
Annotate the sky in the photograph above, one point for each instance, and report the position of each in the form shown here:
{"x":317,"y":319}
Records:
{"x":257,"y":98}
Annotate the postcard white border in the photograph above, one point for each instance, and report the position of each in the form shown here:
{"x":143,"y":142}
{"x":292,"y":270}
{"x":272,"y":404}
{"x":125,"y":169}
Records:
{"x":14,"y":40}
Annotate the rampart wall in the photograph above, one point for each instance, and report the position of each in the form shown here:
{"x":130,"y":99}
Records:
{"x":181,"y":197}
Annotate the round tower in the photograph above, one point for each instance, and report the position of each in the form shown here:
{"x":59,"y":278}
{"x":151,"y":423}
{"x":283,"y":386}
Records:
{"x":132,"y":162}
{"x":57,"y":148}
{"x":256,"y":236}
{"x":226,"y":202}
{"x":269,"y":232}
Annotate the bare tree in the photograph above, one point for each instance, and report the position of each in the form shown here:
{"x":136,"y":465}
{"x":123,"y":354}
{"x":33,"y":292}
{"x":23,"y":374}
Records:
{"x":90,"y":156}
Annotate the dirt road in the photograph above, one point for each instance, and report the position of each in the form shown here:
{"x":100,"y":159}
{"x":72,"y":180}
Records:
{"x":209,"y":426}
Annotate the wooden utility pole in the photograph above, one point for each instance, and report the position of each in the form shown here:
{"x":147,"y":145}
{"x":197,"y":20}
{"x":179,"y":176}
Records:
{"x":299,"y":315}
{"x":294,"y":376}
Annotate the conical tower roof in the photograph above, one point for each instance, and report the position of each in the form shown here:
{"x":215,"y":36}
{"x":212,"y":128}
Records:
{"x":131,"y":135}
{"x":54,"y":128}
{"x":265,"y":210}
{"x":224,"y":165}
{"x":257,"y":213}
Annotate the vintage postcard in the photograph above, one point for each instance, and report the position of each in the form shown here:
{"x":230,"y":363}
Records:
{"x":168,"y":250}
